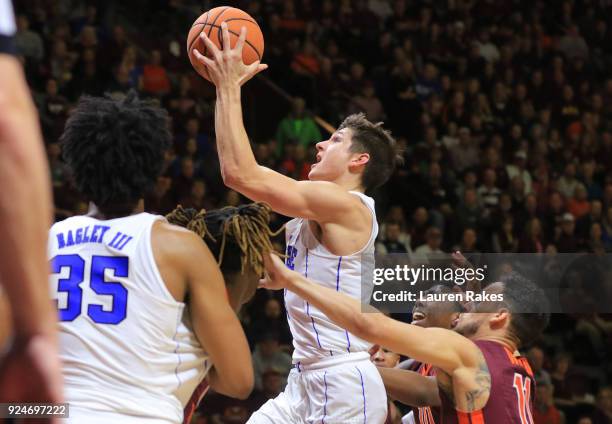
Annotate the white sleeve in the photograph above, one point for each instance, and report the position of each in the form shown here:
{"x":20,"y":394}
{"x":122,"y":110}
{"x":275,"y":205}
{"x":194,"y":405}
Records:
{"x":7,"y":18}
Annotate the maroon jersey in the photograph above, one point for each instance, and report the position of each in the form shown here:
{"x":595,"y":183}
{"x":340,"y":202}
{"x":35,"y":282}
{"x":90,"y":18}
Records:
{"x":512,"y":390}
{"x":426,"y":414}
{"x":195,"y":400}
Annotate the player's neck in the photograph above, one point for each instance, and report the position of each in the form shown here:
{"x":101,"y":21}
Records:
{"x":498,"y":338}
{"x":349,"y":184}
{"x":95,"y":212}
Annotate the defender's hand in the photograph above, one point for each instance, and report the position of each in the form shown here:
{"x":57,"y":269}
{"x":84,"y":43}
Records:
{"x":226,"y":67}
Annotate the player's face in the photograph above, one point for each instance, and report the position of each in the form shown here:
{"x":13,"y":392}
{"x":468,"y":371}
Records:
{"x":332,"y":158}
{"x":475,"y":322}
{"x":385,"y":358}
{"x":433,"y":314}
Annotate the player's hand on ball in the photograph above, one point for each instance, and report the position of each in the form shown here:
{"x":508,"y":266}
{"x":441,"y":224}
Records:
{"x":278,"y":276}
{"x":226,"y":66}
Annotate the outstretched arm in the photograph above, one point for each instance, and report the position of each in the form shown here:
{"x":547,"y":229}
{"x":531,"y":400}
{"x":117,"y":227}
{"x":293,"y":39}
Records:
{"x":318,"y":200}
{"x":409,"y":387}
{"x":442,"y":348}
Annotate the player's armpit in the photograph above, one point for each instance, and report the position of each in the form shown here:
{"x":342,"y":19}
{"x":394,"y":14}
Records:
{"x":410,"y":388}
{"x":321,"y":201}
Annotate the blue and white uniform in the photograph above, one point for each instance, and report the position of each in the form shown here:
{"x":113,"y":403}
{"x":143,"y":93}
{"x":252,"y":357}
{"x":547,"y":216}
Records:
{"x":128,"y":350}
{"x":333,"y":380}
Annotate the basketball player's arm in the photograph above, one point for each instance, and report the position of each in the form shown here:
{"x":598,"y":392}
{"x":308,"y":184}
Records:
{"x":442,"y":348}
{"x":409,"y":387}
{"x":318,"y":200}
{"x":215,"y":323}
{"x":25,"y":218}
{"x":25,"y":205}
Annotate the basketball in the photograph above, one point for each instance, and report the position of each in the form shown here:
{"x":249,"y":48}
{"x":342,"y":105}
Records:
{"x":210,"y":23}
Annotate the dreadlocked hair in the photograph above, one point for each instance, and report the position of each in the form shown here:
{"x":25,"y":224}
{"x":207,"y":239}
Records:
{"x":231,"y":233}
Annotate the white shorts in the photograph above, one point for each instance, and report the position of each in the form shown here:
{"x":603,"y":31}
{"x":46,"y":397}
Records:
{"x":344,"y":389}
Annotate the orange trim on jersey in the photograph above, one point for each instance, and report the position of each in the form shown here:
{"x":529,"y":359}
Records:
{"x":519,"y":361}
{"x":424,"y":370}
{"x":474,"y":417}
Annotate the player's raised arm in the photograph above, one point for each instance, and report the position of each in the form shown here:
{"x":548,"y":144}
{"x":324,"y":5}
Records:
{"x":339,"y":163}
{"x":442,"y":348}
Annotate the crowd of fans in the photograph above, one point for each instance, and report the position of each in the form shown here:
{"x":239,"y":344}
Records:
{"x":502,"y":110}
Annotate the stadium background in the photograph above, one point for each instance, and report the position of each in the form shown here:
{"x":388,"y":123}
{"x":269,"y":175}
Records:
{"x":503,"y":109}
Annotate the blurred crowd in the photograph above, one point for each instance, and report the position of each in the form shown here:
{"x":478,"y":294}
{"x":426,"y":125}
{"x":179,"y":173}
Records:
{"x":502,"y":110}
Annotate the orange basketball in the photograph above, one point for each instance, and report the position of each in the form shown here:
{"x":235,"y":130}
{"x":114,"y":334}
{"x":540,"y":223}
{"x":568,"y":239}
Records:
{"x":210,"y":22}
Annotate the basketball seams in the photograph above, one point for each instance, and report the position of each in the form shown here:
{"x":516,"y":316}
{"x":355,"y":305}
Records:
{"x":237,"y":35}
{"x":241,"y":19}
{"x":212,"y":25}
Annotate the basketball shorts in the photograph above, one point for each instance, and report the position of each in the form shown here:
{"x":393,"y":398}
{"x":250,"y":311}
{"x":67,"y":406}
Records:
{"x":344,"y":389}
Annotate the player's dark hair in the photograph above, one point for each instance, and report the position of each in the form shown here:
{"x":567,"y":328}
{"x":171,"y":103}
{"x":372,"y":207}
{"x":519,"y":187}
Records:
{"x":238,"y":237}
{"x":115,"y":149}
{"x":378,"y":143}
{"x":529,"y":308}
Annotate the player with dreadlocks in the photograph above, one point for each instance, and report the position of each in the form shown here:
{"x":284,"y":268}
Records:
{"x":238,"y":238}
{"x":142,"y":304}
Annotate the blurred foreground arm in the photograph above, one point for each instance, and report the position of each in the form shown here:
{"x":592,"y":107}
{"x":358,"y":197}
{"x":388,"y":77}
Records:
{"x":25,"y":218}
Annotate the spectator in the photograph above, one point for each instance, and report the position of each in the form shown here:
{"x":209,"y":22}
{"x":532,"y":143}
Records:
{"x":488,"y":192}
{"x":504,"y":240}
{"x":536,"y":357}
{"x":579,"y":205}
{"x":562,"y":392}
{"x":393,"y":242}
{"x":184,"y":181}
{"x":272,"y":320}
{"x":603,"y":411}
{"x":368,"y":103}
{"x":469,"y":242}
{"x":468,"y":212}
{"x":296,"y":165}
{"x":267,"y":356}
{"x":155,"y":79}
{"x":420,"y":225}
{"x":566,"y":241}
{"x":595,"y":215}
{"x":544,"y":411}
{"x":573,"y":45}
{"x":273,"y":382}
{"x":433,"y":242}
{"x":198,"y":198}
{"x":532,"y":240}
{"x":568,"y":182}
{"x":518,"y":169}
{"x":28,"y":42}
{"x":465,"y":154}
{"x":297,"y":128}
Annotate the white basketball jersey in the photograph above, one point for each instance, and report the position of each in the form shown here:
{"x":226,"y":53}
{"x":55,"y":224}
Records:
{"x":126,"y":345}
{"x":314,"y":335}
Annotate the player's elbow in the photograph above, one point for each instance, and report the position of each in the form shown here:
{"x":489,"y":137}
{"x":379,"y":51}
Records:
{"x":232,"y":177}
{"x":242,"y":385}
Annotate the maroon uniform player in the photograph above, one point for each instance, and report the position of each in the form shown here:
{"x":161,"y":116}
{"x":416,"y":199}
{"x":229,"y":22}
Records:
{"x":426,"y":314}
{"x":479,"y":373}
